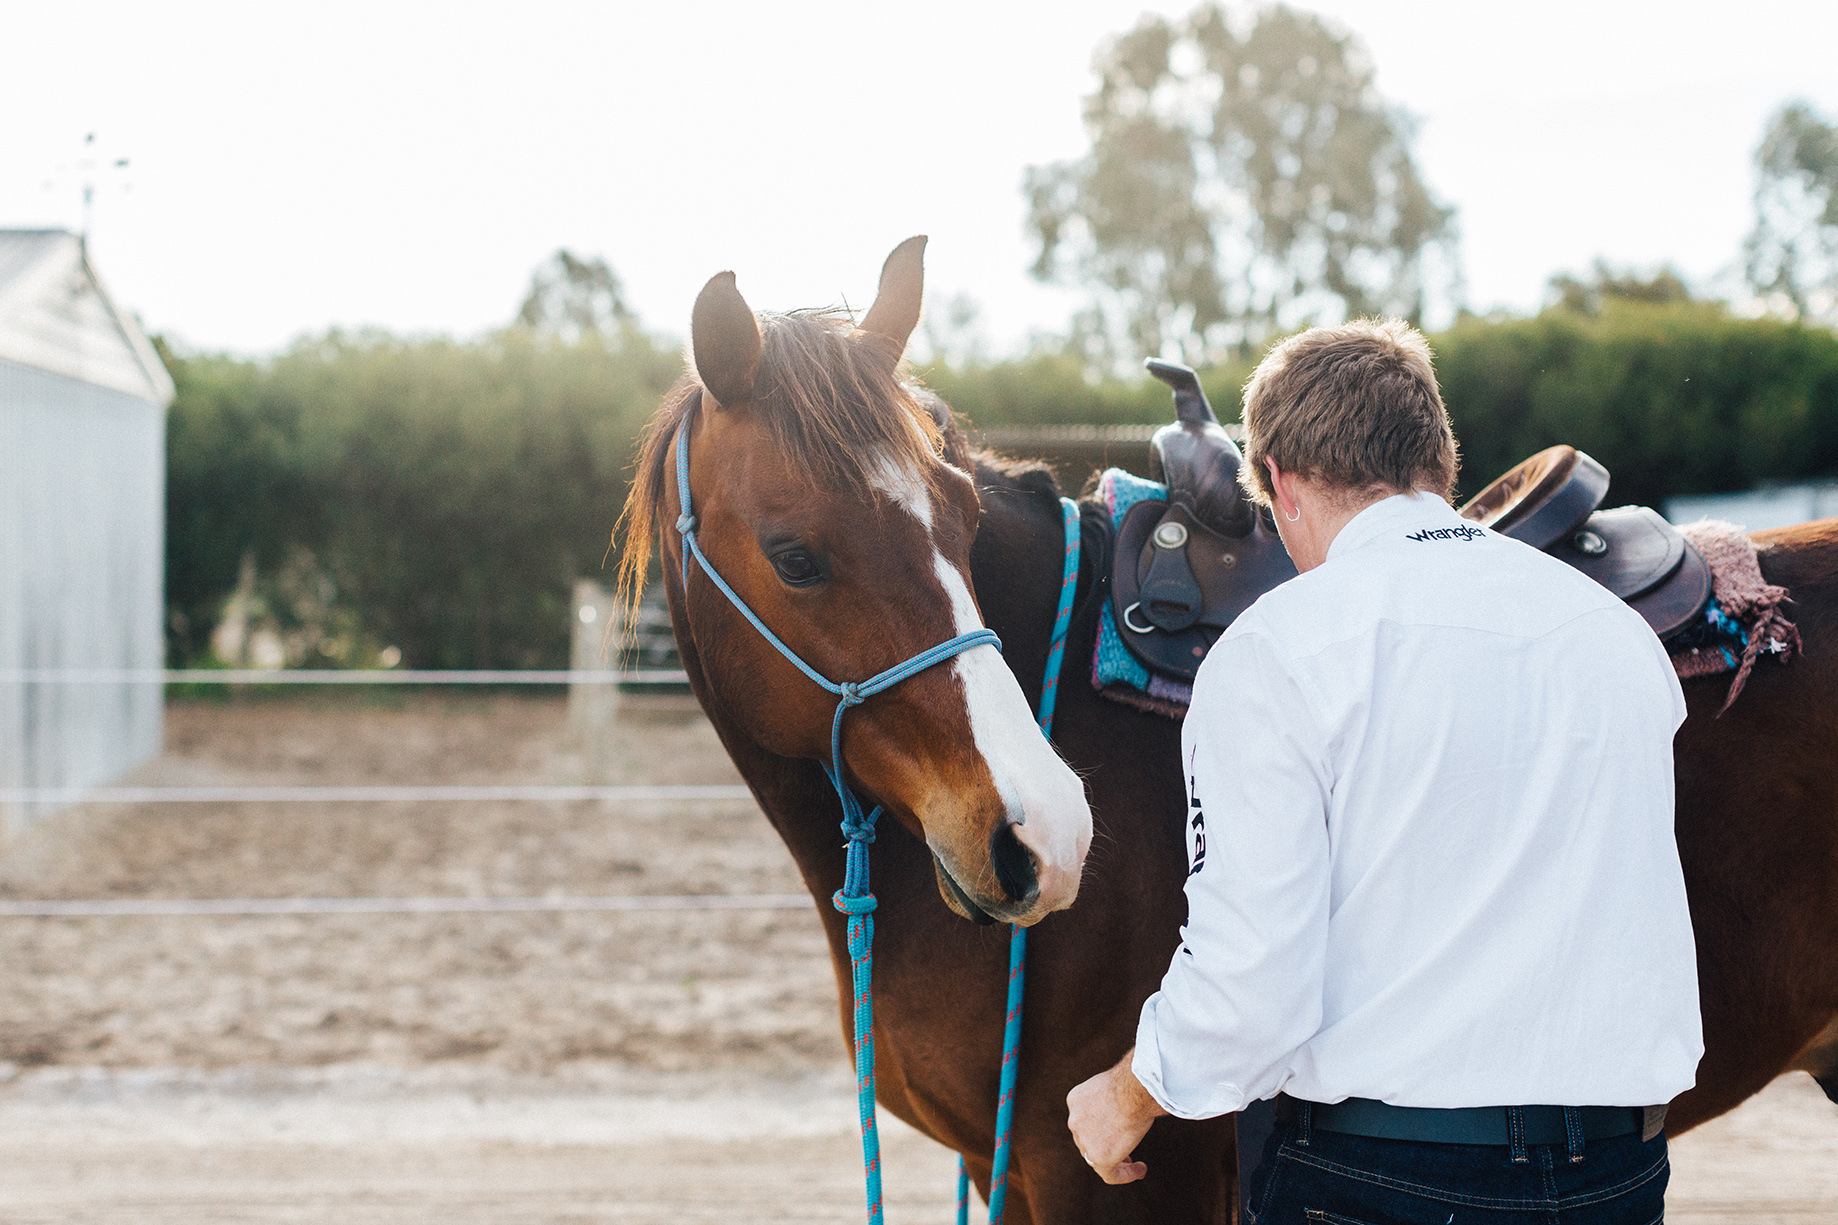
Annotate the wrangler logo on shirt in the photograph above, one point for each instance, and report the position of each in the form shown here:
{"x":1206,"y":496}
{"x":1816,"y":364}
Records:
{"x":1446,"y":533}
{"x":1199,"y":818}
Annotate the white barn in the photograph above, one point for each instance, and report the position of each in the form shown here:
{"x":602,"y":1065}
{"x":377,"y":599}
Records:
{"x":83,"y":401}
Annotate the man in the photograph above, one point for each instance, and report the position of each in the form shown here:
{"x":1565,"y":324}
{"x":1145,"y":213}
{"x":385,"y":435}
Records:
{"x":1435,"y":900}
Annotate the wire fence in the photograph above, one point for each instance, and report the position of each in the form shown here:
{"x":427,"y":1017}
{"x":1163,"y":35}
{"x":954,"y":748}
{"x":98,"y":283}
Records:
{"x":188,"y":907}
{"x":338,"y":676}
{"x":459,"y":793}
{"x":390,"y":794}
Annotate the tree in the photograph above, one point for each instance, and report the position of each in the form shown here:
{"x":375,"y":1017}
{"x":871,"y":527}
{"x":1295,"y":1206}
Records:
{"x":1586,"y":296}
{"x":1237,"y":185}
{"x":570,"y":297}
{"x":1793,"y":249}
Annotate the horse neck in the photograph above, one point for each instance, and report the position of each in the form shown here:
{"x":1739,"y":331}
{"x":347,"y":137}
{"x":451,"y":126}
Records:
{"x":1016,"y":565}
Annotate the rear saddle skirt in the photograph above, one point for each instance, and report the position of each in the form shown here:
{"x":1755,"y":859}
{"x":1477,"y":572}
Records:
{"x":1184,"y":568}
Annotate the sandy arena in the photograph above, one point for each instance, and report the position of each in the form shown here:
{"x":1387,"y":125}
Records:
{"x":505,"y":1068}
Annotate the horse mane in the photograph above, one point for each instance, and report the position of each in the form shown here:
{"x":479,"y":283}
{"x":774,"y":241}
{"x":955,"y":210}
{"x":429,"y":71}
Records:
{"x":836,"y":403}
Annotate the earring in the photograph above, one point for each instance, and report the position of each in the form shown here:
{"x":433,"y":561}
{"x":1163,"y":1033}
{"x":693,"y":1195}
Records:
{"x":1294,"y":517}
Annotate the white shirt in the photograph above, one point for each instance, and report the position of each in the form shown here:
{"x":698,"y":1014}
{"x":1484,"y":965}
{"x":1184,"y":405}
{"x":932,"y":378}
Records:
{"x":1430,"y":833}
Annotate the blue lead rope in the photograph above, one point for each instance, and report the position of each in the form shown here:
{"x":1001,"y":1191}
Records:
{"x":854,"y":898}
{"x":1017,"y":940}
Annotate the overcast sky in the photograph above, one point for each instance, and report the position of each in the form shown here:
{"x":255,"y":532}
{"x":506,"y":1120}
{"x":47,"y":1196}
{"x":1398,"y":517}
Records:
{"x":293,"y":167}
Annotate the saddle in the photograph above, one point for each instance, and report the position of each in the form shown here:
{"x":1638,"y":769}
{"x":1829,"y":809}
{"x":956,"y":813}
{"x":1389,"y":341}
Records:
{"x":1185,"y":567}
{"x":1550,"y":502}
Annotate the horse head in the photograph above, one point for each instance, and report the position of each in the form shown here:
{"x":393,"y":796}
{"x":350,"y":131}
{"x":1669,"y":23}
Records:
{"x":822,"y":496}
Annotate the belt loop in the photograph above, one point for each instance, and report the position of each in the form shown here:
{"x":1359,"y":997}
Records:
{"x":1573,"y":1133}
{"x":1515,"y":1132}
{"x":1305,"y":1122}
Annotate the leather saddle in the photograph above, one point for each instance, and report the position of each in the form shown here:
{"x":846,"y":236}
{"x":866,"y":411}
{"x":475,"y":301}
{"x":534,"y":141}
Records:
{"x":1550,"y":502}
{"x":1185,"y":568}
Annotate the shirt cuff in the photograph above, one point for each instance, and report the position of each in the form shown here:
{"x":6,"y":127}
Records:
{"x":1186,"y":1099}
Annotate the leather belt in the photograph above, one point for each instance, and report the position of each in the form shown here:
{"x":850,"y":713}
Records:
{"x":1358,"y":1116}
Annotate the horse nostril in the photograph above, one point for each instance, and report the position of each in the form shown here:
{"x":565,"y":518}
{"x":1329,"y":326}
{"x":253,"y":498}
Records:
{"x":1014,"y":864}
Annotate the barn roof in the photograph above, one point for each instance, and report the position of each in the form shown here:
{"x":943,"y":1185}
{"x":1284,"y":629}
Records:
{"x":56,"y":316}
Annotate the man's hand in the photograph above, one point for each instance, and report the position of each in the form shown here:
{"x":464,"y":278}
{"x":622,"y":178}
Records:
{"x":1108,"y":1114}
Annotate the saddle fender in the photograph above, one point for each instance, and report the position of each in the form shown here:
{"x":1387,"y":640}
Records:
{"x":1176,"y":584}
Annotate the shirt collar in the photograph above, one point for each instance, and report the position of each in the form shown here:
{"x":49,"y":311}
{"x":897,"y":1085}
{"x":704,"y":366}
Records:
{"x":1412,"y":510}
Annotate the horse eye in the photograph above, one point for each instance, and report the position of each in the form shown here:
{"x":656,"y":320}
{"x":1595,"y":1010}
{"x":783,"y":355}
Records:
{"x":797,"y":567}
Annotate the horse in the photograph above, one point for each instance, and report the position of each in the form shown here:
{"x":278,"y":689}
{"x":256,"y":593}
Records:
{"x":846,"y":505}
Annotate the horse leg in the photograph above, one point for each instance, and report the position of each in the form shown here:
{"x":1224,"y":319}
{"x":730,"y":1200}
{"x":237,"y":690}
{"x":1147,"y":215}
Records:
{"x":1821,"y":1059}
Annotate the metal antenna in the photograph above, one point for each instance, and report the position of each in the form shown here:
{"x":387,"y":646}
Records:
{"x":88,"y":167}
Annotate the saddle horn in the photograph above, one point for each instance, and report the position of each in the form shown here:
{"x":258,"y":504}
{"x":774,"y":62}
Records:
{"x":1196,"y":458}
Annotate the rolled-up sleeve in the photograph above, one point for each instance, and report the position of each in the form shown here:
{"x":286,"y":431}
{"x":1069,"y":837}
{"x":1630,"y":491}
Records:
{"x":1244,"y":990}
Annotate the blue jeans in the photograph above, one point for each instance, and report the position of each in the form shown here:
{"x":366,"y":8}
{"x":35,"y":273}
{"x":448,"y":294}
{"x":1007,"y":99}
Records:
{"x":1310,"y":1175}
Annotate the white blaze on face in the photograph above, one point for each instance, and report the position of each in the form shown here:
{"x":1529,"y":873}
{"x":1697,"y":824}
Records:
{"x":907,"y":489}
{"x":1044,"y":799}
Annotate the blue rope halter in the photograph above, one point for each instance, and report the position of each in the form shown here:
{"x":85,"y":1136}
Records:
{"x":854,"y":898}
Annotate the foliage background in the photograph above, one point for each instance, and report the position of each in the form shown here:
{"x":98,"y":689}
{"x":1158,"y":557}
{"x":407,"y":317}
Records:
{"x":449,"y":493}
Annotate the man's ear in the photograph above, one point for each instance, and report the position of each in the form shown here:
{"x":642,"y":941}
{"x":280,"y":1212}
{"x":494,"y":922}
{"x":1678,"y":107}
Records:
{"x":1282,"y":489}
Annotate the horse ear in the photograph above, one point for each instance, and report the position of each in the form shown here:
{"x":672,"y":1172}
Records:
{"x":724,"y":338}
{"x":895,"y":312}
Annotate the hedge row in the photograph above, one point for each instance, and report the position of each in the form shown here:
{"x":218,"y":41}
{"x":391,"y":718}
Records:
{"x":447,"y":493}
{"x":1678,"y":398}
{"x":444,"y":495}
{"x":1674,"y":399}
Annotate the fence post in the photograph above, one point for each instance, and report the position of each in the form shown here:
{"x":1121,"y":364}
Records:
{"x":599,"y":644}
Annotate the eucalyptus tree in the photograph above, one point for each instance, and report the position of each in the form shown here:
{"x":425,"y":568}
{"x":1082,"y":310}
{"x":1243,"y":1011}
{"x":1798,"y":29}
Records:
{"x":1792,"y":253}
{"x":571,"y":296}
{"x":1244,"y":177}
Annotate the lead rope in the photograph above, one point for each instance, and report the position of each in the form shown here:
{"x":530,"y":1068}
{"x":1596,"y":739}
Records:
{"x":1017,"y":940}
{"x":854,"y":898}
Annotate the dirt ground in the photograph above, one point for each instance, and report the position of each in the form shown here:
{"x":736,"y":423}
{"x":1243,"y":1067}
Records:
{"x":530,"y":994}
{"x":630,"y":1067}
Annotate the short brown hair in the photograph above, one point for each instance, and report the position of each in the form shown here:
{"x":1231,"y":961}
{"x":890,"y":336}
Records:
{"x":1356,"y":406}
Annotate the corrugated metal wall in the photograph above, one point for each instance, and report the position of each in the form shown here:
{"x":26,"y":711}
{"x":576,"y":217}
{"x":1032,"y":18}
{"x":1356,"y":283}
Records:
{"x":82,"y":545}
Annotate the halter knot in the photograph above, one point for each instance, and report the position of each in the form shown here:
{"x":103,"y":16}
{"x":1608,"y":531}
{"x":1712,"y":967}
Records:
{"x":854,"y":905}
{"x":860,"y":827}
{"x":685,"y":523}
{"x":851,"y":693}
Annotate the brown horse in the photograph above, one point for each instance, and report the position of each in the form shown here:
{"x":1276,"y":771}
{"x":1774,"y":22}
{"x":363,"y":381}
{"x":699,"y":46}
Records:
{"x":846,"y":507}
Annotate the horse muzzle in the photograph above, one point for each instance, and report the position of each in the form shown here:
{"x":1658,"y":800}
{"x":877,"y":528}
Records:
{"x":1014,"y":884}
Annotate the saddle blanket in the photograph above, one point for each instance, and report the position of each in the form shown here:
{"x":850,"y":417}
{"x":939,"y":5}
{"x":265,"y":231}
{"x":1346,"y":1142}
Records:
{"x":1743,"y":621}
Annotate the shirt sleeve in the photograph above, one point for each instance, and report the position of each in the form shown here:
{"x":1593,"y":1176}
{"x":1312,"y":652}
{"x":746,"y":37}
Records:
{"x":1244,"y":990}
